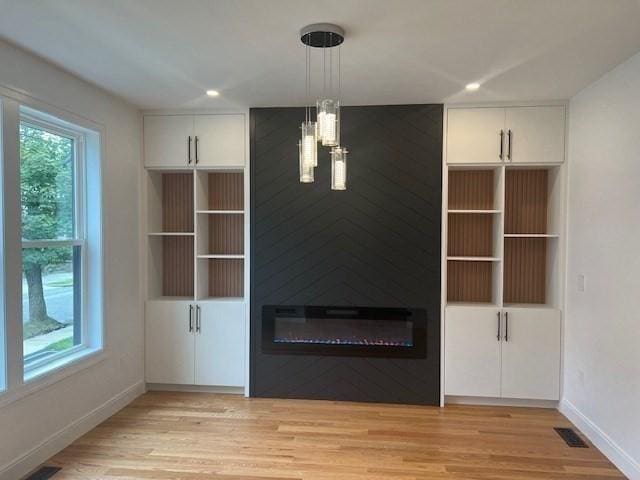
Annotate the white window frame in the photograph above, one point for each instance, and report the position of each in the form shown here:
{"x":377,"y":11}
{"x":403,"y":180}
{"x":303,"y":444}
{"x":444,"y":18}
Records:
{"x":3,"y":316}
{"x":79,"y":240}
{"x":19,"y":384}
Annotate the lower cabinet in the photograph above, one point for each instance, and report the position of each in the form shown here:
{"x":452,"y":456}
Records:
{"x":502,"y":352}
{"x":220,"y":344}
{"x":195,"y":343}
{"x":531,"y":354}
{"x":472,"y":352}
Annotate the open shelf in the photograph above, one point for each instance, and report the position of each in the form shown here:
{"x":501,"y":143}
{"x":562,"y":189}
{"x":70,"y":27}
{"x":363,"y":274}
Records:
{"x":532,"y":213}
{"x":220,"y":192}
{"x":473,"y":259}
{"x":220,"y":278}
{"x":526,"y":201}
{"x":525,"y":270}
{"x":220,"y":299}
{"x":470,"y":235}
{"x":220,"y":234}
{"x":171,"y":235}
{"x":474,"y":211}
{"x":171,"y":266}
{"x":473,"y":225}
{"x":470,"y":282}
{"x":170,"y":202}
{"x":221,"y":212}
{"x":471,"y":190}
{"x":530,"y":235}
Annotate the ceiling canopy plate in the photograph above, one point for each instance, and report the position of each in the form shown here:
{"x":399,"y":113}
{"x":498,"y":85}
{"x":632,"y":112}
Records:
{"x":322,"y":35}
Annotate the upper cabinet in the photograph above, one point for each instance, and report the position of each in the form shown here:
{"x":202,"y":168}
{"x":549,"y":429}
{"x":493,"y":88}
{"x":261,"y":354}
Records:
{"x":219,"y":140}
{"x":475,"y":135}
{"x":535,"y":134}
{"x":512,"y":135}
{"x":185,"y":141}
{"x":168,"y":140}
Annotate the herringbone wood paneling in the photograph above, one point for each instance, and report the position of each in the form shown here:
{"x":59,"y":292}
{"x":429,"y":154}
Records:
{"x":375,"y":244}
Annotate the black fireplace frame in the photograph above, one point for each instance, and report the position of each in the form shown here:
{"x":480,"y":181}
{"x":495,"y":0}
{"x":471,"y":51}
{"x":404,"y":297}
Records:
{"x":417,"y":316}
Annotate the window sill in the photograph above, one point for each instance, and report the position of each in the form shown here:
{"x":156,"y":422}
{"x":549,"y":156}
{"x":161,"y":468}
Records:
{"x":54,"y":372}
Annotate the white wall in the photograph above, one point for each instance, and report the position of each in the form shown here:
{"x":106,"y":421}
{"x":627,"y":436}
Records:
{"x":602,"y":327}
{"x":57,"y":413}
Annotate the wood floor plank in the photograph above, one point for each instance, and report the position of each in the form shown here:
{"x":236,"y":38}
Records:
{"x":197,"y":436}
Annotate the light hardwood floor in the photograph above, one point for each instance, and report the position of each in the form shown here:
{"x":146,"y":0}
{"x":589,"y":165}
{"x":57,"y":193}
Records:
{"x":194,"y":436}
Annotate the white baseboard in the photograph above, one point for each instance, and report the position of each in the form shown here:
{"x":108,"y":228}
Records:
{"x":39,"y":454}
{"x":604,"y":443}
{"x":168,"y":387}
{"x":499,"y":402}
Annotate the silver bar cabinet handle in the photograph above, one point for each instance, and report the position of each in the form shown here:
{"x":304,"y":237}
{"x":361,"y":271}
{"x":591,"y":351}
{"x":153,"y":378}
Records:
{"x":499,"y":322}
{"x":501,"y":156}
{"x":198,"y":325}
{"x":189,"y":150}
{"x":196,"y":146}
{"x":190,"y":318}
{"x":506,"y":326}
{"x":509,"y":136}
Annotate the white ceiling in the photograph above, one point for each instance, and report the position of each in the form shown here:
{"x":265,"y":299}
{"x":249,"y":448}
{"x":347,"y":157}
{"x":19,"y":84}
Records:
{"x":166,"y":53}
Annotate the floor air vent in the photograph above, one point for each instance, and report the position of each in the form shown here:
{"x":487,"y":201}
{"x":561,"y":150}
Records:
{"x":43,"y":473}
{"x":571,"y":437}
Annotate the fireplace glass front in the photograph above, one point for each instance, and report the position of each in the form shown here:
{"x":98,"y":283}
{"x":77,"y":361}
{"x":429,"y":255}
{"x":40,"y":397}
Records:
{"x":358,"y":331}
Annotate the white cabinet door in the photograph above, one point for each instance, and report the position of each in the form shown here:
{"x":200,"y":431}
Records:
{"x":537,"y":134}
{"x":221,"y":140}
{"x":472,"y":351}
{"x":531,"y":354}
{"x":169,"y":343}
{"x":166,"y":140}
{"x":220,"y":344}
{"x":473,"y":135}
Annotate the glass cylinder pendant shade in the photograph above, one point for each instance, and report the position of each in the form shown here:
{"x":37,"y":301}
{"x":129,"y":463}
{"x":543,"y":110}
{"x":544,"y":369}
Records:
{"x":329,"y":121}
{"x":310,"y":142}
{"x":306,"y":167}
{"x":339,"y":168}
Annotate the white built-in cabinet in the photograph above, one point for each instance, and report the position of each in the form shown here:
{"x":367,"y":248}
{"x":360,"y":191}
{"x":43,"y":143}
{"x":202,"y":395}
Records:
{"x":195,"y":343}
{"x":472,"y":349}
{"x":219,"y":344}
{"x":531,"y":134}
{"x":169,"y":348}
{"x":183,"y":141}
{"x":503,"y":251}
{"x":197,"y":245}
{"x":502,"y":352}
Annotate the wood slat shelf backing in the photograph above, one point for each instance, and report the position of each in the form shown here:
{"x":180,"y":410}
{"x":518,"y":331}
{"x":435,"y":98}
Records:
{"x":525,"y":265}
{"x":177,"y":263}
{"x":226,"y":277}
{"x":177,"y":202}
{"x":469,"y":281}
{"x":471,"y":189}
{"x":470,"y":235}
{"x":226,"y":191}
{"x":526,"y":201}
{"x":226,"y":234}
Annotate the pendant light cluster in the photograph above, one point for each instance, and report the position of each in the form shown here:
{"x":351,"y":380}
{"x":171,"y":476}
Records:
{"x":325,"y":129}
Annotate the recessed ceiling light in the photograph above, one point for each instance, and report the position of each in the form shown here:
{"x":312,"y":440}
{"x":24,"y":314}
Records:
{"x":213,"y":93}
{"x":472,"y":86}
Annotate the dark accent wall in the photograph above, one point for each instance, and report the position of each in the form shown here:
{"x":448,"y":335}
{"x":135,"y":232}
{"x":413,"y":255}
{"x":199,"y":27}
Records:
{"x":375,"y":244}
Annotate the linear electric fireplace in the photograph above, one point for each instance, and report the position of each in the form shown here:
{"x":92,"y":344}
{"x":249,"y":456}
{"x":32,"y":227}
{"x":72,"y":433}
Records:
{"x":348,"y":331}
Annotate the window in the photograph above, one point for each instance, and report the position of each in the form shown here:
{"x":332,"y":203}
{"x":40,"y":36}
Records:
{"x":52,"y":200}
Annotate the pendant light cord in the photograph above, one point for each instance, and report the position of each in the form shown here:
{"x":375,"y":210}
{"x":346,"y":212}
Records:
{"x":330,"y":64}
{"x":340,"y":73}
